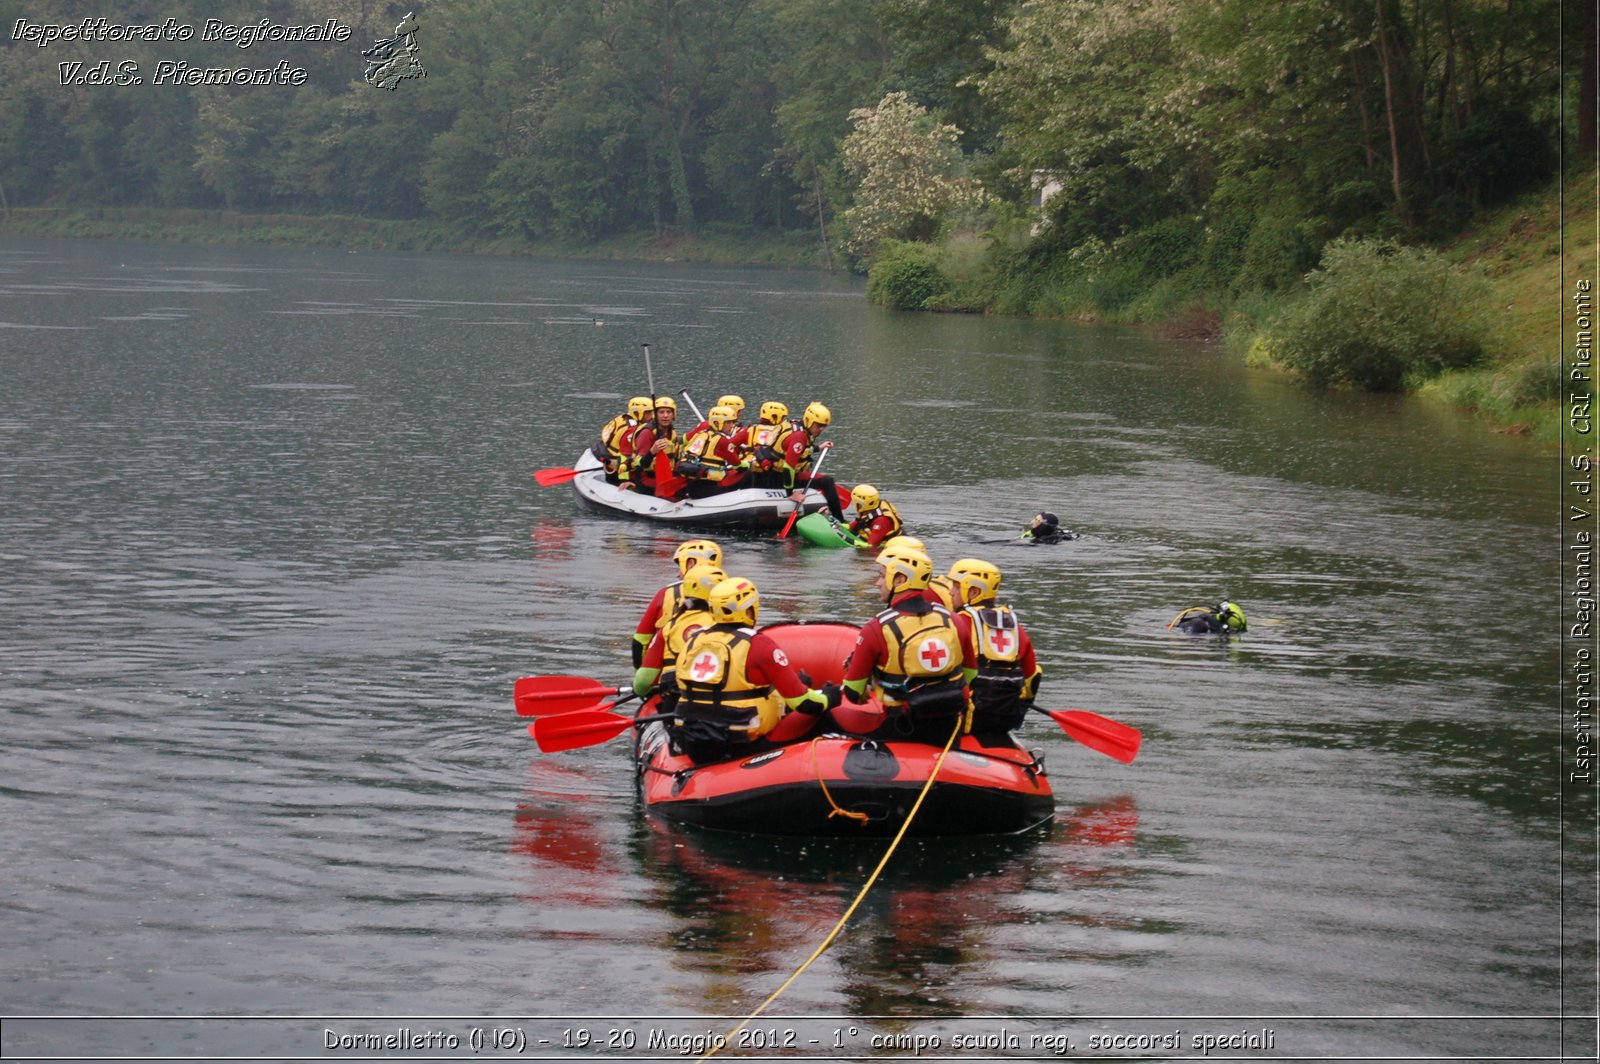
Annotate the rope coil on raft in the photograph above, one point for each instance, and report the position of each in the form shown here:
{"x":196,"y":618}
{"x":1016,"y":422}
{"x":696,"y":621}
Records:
{"x":836,"y":809}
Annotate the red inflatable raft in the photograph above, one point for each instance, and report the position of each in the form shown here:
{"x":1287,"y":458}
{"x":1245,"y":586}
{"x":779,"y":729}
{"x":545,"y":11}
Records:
{"x":837,"y":784}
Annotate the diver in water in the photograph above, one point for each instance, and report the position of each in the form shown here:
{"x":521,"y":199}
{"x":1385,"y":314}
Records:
{"x":1046,"y":528}
{"x":1225,"y":618}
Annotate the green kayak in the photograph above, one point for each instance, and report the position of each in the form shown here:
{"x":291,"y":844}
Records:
{"x":822,"y":530}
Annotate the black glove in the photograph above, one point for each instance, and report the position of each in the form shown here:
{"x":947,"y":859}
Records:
{"x":638,"y":652}
{"x":805,"y":677}
{"x":832,"y":692}
{"x":852,"y":695}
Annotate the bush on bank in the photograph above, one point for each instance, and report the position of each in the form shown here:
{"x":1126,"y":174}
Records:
{"x":905,"y":276}
{"x":1380,"y":317}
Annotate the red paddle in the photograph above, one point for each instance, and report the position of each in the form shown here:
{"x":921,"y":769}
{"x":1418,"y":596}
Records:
{"x":668,"y":483}
{"x":538,"y":696}
{"x":1110,"y":737}
{"x":554,"y":475}
{"x":570,"y":731}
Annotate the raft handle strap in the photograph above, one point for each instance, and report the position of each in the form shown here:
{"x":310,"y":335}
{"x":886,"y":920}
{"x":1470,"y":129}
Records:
{"x":835,"y":808}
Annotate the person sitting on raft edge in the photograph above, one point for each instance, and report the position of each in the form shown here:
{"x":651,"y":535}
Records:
{"x":1046,"y":528}
{"x":738,"y":691}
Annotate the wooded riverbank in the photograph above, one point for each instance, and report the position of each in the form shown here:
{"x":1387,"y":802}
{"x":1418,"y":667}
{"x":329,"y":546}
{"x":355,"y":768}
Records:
{"x":1529,"y":253}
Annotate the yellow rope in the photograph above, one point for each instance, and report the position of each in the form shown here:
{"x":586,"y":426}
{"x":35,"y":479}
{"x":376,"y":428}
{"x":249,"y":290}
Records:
{"x":1185,"y":613}
{"x":837,"y":810}
{"x":838,"y":927}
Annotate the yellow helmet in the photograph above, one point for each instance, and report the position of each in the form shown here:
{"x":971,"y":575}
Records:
{"x":773,"y":411}
{"x":695,"y":550}
{"x":914,"y":565}
{"x":720,"y":416}
{"x":816,"y":414}
{"x":666,"y":402}
{"x":903,"y":541}
{"x":701,"y":578}
{"x":975,"y":580}
{"x":865,"y":496}
{"x":734,"y":601}
{"x":1231,"y":615}
{"x":734,"y":401}
{"x":639,"y":407}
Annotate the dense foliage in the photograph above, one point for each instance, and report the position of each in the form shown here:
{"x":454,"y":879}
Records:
{"x":904,"y":276}
{"x":1379,"y":315}
{"x":1205,"y":150}
{"x":905,"y":170}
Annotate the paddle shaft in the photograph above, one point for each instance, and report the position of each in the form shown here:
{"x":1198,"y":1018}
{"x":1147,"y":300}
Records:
{"x":650,"y":377}
{"x":801,"y":505}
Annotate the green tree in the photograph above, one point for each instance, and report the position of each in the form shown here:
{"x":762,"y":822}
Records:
{"x":908,"y":173}
{"x":1083,"y":89}
{"x":832,"y":58}
{"x":904,"y":276}
{"x":939,"y":52}
{"x":234,"y":142}
{"x":667,"y":55}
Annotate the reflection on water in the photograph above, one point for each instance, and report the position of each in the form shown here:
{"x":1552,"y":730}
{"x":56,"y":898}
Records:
{"x":748,"y":911}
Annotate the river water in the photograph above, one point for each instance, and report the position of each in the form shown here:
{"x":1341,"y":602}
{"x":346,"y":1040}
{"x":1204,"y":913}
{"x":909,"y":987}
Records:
{"x":273,"y":558}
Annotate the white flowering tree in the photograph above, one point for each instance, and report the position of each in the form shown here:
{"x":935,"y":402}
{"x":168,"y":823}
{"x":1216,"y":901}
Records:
{"x":908,"y":173}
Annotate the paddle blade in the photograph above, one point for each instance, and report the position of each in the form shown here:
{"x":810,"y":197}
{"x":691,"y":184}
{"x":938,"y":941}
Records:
{"x":569,"y":731}
{"x":538,"y":696}
{"x":668,"y":484}
{"x":788,"y":525}
{"x":1110,"y":737}
{"x":554,"y":475}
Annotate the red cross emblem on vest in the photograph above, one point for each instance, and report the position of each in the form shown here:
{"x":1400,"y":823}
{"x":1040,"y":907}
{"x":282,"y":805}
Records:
{"x":933,"y":654}
{"x":1001,"y":641}
{"x":704,"y":666}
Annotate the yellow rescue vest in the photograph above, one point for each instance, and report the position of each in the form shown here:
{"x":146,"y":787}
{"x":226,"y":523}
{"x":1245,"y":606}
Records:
{"x":701,"y":451}
{"x":674,"y":444}
{"x":996,"y":637}
{"x":712,"y":674}
{"x":997,"y":690}
{"x":611,"y":433}
{"x":922,"y":664}
{"x":609,"y":450}
{"x":766,"y":443}
{"x":672,"y":600}
{"x":885,"y":509}
{"x":676,"y":635}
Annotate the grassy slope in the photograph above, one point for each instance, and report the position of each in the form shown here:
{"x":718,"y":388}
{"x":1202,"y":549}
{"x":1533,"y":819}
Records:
{"x":1533,"y":252}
